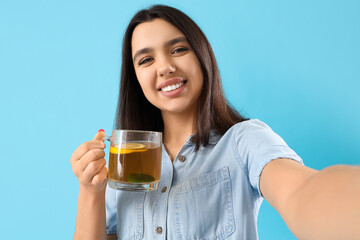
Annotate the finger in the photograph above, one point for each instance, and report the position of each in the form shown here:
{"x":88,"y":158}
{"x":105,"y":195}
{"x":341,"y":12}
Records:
{"x":100,"y":177}
{"x":97,"y":142}
{"x":100,"y":135}
{"x":85,"y":147}
{"x":91,"y":156}
{"x":92,"y":169}
{"x":76,"y":167}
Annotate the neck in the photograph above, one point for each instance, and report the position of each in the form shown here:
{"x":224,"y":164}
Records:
{"x":177,"y":127}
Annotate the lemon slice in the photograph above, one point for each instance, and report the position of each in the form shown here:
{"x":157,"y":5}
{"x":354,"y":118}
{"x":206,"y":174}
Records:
{"x":128,"y":148}
{"x":132,"y":146}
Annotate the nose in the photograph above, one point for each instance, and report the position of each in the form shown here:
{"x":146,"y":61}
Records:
{"x":166,"y":68}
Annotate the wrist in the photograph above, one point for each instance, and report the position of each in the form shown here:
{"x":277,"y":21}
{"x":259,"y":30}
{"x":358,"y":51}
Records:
{"x":91,"y":193}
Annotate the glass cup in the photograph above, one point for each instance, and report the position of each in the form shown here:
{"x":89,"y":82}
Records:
{"x":135,"y":160}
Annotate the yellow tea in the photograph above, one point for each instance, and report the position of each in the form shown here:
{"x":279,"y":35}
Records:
{"x":135,"y":163}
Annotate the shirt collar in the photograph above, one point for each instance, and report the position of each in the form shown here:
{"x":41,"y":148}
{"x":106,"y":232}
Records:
{"x":213,"y":138}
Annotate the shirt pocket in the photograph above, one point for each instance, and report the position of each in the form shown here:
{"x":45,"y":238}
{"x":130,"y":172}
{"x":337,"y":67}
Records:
{"x":204,"y":208}
{"x":130,"y":225}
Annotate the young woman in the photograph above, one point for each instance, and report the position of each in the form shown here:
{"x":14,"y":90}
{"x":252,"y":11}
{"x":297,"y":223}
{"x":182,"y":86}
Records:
{"x":217,"y":165}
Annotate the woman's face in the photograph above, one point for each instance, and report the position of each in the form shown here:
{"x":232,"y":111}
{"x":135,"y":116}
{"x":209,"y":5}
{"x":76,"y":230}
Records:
{"x":166,"y":67}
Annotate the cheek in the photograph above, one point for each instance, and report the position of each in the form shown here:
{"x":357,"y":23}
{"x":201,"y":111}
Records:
{"x":146,"y":82}
{"x":198,"y":74}
{"x":144,"y":79}
{"x":194,"y":67}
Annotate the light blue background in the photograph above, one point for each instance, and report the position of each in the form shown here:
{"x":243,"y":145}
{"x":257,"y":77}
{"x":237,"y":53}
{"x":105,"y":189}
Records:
{"x":293,"y":64}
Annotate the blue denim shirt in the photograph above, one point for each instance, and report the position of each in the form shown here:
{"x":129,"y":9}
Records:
{"x":212,"y":194}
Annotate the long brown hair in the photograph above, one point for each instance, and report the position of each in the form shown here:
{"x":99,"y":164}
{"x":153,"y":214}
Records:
{"x":135,"y":112}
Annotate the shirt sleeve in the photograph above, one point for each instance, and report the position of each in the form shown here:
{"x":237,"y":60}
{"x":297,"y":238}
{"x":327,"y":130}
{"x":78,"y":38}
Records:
{"x":111,"y":210}
{"x":257,"y":145}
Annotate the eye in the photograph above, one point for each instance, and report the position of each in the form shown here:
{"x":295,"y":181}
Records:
{"x":180,"y":49}
{"x":145,"y":60}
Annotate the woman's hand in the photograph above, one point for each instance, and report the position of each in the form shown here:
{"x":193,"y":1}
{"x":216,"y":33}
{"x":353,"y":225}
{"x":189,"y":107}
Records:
{"x":88,"y":164}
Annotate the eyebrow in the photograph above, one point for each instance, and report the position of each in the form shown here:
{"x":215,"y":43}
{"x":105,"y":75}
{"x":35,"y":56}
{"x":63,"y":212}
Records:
{"x":169,"y":43}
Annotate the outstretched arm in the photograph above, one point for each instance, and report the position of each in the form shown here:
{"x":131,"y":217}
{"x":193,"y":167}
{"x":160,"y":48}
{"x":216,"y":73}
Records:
{"x":314,"y":204}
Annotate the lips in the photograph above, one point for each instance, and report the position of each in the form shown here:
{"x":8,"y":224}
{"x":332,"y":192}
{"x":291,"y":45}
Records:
{"x":171,"y":84}
{"x":173,"y":92}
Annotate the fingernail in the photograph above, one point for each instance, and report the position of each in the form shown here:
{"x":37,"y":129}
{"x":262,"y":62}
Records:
{"x":101,"y":130}
{"x":105,"y":145}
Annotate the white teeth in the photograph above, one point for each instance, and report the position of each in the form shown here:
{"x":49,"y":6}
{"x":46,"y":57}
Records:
{"x":172,"y":87}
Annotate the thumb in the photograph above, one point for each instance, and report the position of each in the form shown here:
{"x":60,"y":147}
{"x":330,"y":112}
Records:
{"x":100,"y":135}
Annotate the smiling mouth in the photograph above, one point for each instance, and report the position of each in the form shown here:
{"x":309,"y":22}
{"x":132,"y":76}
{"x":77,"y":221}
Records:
{"x":172,"y":87}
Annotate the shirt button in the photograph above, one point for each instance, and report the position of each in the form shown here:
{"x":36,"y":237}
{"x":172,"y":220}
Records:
{"x":159,"y":230}
{"x":181,"y":158}
{"x":163,"y":189}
